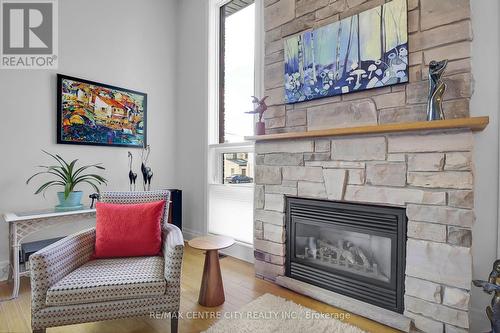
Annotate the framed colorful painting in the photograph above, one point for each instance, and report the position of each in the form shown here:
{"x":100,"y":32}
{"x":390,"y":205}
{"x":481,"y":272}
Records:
{"x":365,"y":51}
{"x":92,"y":113}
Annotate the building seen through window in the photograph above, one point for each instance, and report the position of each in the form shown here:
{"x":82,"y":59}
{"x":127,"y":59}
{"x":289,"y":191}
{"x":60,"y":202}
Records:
{"x":236,"y":168}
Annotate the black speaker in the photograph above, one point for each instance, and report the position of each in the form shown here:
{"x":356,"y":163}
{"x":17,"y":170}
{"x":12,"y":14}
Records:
{"x":176,"y":208}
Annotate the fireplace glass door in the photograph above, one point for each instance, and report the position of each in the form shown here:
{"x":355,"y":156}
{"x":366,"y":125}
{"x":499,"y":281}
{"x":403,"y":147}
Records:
{"x":353,"y":249}
{"x":363,"y":254}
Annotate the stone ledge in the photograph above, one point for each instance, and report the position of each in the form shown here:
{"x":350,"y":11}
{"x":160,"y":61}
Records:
{"x":383,"y":316}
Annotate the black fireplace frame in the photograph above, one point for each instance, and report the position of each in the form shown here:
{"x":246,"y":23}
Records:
{"x":387,"y":221}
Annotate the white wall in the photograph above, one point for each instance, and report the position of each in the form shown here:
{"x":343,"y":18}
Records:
{"x":485,"y":102}
{"x":192,"y":113}
{"x":128,"y":43}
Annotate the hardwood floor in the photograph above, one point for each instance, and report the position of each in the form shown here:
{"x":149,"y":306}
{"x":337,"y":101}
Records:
{"x":239,"y":282}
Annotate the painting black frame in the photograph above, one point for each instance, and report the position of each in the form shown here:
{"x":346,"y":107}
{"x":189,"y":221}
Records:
{"x":61,"y":77}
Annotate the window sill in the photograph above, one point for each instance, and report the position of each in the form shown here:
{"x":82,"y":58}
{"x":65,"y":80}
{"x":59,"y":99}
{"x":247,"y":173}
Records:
{"x":251,"y":185}
{"x":232,"y":145}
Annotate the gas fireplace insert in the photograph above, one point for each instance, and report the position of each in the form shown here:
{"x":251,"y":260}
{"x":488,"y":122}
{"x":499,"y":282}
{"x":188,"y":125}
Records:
{"x":353,"y":249}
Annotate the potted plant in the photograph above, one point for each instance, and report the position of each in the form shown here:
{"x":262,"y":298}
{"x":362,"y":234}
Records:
{"x":68,"y":176}
{"x":260,"y":107}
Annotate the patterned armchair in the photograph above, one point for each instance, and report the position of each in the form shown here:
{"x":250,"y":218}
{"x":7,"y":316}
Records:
{"x":69,"y":287}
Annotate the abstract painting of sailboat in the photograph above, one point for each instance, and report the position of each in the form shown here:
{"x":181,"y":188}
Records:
{"x":364,"y":51}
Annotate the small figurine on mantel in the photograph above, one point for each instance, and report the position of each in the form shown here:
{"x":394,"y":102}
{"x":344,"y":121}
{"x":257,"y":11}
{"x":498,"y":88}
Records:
{"x":489,"y":287}
{"x":259,"y":108}
{"x":436,"y":90}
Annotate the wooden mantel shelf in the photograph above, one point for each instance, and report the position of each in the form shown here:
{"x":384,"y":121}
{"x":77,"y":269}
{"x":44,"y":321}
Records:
{"x":475,"y":124}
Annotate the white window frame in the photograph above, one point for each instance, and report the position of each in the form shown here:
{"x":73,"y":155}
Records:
{"x":213,"y":65}
{"x":215,"y":149}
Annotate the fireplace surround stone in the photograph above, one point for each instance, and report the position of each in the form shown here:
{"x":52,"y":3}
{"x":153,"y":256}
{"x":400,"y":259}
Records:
{"x":429,"y":174}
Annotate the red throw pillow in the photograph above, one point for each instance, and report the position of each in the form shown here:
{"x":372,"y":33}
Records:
{"x":128,"y":230}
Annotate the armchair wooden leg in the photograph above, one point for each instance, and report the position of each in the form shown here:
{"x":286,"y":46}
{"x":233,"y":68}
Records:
{"x":174,"y":322}
{"x":41,"y":330}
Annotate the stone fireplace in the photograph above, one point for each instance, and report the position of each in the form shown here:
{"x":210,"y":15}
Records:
{"x":428,"y":175}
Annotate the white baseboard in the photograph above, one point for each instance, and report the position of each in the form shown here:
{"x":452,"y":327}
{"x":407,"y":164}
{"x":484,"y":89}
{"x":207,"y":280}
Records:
{"x":190,"y":234}
{"x":239,"y":250}
{"x":4,"y":270}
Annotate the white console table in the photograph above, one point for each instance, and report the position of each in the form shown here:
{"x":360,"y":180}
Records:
{"x":21,"y":225}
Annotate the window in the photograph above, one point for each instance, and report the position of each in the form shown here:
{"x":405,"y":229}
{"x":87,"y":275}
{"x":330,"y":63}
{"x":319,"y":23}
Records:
{"x":235,"y":75}
{"x":237,"y":70}
{"x":231,"y":192}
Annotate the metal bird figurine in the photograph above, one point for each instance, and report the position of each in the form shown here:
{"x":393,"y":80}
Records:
{"x":489,"y":287}
{"x":260,"y":107}
{"x":94,"y":197}
{"x":132,"y":176}
{"x":147,"y":174}
{"x":150,"y":176}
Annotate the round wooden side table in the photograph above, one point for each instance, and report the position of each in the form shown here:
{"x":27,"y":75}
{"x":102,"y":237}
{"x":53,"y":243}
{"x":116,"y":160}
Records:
{"x":211,"y":290}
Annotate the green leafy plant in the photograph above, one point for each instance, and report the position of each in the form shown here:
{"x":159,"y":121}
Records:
{"x":68,"y":176}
